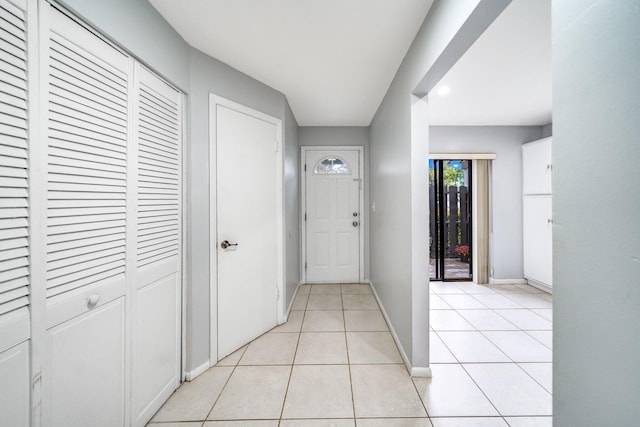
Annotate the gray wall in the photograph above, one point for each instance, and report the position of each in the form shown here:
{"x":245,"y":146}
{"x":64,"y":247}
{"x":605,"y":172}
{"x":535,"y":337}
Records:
{"x":139,"y":28}
{"x":345,"y":136}
{"x":596,"y":203}
{"x":547,"y":130}
{"x":448,"y":30}
{"x":291,"y":204}
{"x":506,"y":184}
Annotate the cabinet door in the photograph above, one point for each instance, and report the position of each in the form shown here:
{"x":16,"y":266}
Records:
{"x":84,"y":370}
{"x":537,"y":239}
{"x":536,"y":167}
{"x":14,"y":393}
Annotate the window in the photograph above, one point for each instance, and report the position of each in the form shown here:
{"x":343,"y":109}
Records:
{"x":332,"y":166}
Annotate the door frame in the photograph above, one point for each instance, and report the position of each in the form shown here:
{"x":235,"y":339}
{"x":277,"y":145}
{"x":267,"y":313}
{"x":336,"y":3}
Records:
{"x":303,"y":203}
{"x":214,"y":101}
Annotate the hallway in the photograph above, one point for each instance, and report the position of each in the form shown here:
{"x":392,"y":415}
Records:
{"x":335,"y":364}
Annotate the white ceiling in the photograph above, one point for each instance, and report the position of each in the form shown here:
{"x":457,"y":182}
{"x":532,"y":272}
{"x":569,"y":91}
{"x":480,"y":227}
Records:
{"x":505,"y":77}
{"x":333,"y":59}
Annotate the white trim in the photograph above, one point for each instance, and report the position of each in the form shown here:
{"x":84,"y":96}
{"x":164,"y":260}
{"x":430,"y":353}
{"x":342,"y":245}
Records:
{"x":215,"y":100}
{"x":539,"y":285}
{"x":474,"y":221}
{"x":421,"y":372}
{"x":493,"y":281}
{"x":303,"y":203}
{"x":465,"y":156}
{"x":194,"y":373}
{"x":403,"y":353}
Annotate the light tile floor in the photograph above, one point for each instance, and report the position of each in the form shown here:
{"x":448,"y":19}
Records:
{"x":334,"y":363}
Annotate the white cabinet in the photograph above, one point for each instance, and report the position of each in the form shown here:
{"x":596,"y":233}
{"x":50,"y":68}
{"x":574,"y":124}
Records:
{"x":537,"y":213}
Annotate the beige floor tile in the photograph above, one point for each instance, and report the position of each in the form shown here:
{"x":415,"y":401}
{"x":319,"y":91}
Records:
{"x":233,"y":358}
{"x":472,"y":347}
{"x":243,"y":423}
{"x":444,"y":288}
{"x":529,"y":300}
{"x":193,"y":400}
{"x":323,"y":321}
{"x":365,"y":320}
{"x":271,"y":349}
{"x":253,"y":392}
{"x":315,"y":348}
{"x":487,"y":320}
{"x":319,"y":391}
{"x":510,"y":389}
{"x":526,"y":320}
{"x":356,"y":289}
{"x":326,"y":290}
{"x":372,"y":348}
{"x":384,"y":391}
{"x":460,"y":302}
{"x":437,"y":303}
{"x":448,"y":320}
{"x":360,"y":302}
{"x":452,"y":393}
{"x":544,"y":337}
{"x":473,"y":288}
{"x":324,"y":302}
{"x":438,"y":352}
{"x":293,"y":323}
{"x":304,"y":289}
{"x":185,"y":424}
{"x":317,"y":423}
{"x":541,"y":372}
{"x":300,"y":302}
{"x":530,"y":421}
{"x":519,"y":346}
{"x":469,"y":422}
{"x":507,"y":289}
{"x":393,"y":422}
{"x":547,"y":313}
{"x":497,"y":301}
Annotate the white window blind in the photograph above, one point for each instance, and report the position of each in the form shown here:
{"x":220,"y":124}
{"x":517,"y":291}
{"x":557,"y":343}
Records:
{"x":87,"y":159}
{"x":14,"y":192}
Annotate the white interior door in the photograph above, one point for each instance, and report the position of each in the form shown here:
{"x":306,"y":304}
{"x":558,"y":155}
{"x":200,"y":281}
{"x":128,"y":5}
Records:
{"x":537,"y":238}
{"x":333,"y":217}
{"x":247,"y":221}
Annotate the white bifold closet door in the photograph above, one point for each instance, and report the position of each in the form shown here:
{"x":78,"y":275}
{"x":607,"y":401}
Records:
{"x":14,"y":216}
{"x":113,"y":220}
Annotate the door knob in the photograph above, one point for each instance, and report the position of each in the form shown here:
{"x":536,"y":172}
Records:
{"x":225,"y":244}
{"x":354,"y":223}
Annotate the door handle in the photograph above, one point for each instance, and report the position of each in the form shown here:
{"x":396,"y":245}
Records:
{"x":225,"y":244}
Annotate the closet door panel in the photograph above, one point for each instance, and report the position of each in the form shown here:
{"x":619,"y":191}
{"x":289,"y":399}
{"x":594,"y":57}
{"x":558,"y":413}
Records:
{"x":157,"y":295}
{"x":537,"y":239}
{"x":536,"y":167}
{"x":14,"y":393}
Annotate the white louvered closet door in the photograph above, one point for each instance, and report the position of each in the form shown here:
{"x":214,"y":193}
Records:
{"x":157,"y":294}
{"x":14,"y":216}
{"x":87,"y":142}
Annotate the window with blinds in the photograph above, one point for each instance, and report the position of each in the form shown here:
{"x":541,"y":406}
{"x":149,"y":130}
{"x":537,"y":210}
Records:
{"x":14,"y":192}
{"x":86,"y":165}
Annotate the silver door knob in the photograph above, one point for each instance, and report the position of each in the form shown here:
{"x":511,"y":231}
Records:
{"x":354,"y":223}
{"x":225,"y":244}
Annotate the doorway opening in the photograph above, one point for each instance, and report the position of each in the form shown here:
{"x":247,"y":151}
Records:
{"x":450,"y":220}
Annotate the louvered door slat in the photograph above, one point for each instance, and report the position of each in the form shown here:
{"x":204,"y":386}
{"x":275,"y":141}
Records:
{"x":14,"y":192}
{"x":87,"y":159}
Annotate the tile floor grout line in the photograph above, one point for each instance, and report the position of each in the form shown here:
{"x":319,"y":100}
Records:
{"x":346,"y":343}
{"x":225,"y":383}
{"x":293,"y":361}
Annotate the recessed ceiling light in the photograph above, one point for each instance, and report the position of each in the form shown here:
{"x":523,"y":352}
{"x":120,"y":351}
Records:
{"x":444,"y":90}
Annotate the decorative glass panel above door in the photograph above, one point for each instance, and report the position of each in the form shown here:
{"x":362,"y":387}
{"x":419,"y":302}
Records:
{"x":332,"y":166}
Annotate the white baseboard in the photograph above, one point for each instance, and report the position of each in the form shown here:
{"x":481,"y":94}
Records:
{"x":403,"y":353}
{"x":493,"y":281}
{"x":543,"y":287}
{"x":421,"y":372}
{"x":194,"y":373}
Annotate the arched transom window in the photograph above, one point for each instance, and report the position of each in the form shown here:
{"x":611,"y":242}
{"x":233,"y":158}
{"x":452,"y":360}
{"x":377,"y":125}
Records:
{"x":332,"y":166}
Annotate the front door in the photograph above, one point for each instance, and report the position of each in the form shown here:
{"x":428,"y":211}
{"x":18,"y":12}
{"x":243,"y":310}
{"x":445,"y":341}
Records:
{"x":247,"y":224}
{"x":332,"y":216}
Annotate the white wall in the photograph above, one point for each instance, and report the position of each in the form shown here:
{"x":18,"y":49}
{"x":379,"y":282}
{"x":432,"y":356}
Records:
{"x":344,"y":136}
{"x":506,"y":184}
{"x":448,"y":30}
{"x":596,"y":204}
{"x":291,"y":204}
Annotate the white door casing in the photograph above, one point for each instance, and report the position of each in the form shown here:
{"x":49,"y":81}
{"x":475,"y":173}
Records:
{"x":332,"y":215}
{"x":248,"y":275}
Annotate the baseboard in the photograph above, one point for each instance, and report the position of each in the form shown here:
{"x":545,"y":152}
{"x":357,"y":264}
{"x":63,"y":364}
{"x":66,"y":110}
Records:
{"x":403,"y":353}
{"x":194,"y":373}
{"x":541,"y":286}
{"x":493,"y":281}
{"x":421,"y":372}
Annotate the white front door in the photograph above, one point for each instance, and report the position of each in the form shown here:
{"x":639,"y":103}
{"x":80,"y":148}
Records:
{"x":247,"y":224}
{"x":333,"y":217}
